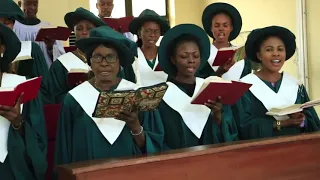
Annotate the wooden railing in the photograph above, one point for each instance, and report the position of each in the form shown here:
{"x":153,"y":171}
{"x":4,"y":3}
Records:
{"x":296,"y":157}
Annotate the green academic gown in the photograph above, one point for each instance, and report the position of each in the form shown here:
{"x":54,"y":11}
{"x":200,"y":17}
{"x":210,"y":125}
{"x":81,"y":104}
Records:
{"x":179,"y":133}
{"x":80,"y":139}
{"x":54,"y":86}
{"x":26,"y":157}
{"x":254,"y":123}
{"x":35,"y":67}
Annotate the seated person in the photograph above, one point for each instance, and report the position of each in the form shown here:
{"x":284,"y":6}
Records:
{"x":183,"y":51}
{"x":80,"y":136}
{"x":272,"y":46}
{"x":23,"y":136}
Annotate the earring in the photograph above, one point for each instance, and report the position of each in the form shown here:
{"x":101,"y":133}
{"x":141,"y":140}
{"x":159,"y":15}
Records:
{"x":1,"y":55}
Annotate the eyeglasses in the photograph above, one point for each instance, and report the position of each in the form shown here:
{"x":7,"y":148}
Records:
{"x":109,"y":58}
{"x":150,"y":31}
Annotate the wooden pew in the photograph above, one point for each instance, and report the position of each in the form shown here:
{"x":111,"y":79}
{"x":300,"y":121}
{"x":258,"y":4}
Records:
{"x":295,"y":157}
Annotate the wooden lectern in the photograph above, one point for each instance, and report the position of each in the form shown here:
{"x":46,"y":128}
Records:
{"x":295,"y":157}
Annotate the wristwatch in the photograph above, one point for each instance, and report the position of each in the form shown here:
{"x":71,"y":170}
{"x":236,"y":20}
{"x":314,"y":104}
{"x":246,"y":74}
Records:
{"x":278,"y":125}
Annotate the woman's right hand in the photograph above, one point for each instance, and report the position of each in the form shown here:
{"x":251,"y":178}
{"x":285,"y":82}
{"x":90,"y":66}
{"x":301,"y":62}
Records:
{"x":225,"y":67}
{"x":295,"y":120}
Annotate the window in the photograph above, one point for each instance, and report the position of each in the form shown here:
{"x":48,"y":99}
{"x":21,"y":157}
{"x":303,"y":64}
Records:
{"x":159,"y":6}
{"x":124,"y":8}
{"x":119,"y":9}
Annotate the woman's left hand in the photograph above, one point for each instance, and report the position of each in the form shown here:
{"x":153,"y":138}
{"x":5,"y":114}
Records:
{"x":131,"y":119}
{"x":216,"y":109}
{"x":12,"y":114}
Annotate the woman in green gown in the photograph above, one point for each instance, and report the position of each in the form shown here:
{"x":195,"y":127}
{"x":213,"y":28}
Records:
{"x":272,"y":46}
{"x":23,"y":136}
{"x":55,"y":85}
{"x":223,"y":23}
{"x":148,"y":27}
{"x":9,"y":13}
{"x":183,"y":51}
{"x":81,"y":137}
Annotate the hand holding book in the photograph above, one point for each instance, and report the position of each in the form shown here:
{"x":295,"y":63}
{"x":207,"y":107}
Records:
{"x":216,"y":109}
{"x":131,"y":119}
{"x":12,"y":113}
{"x":295,"y":120}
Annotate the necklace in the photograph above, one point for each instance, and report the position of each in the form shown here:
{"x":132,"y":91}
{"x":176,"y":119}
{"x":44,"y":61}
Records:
{"x":83,"y":57}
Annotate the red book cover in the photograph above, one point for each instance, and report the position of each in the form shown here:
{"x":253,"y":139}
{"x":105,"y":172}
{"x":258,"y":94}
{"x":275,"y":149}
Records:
{"x":57,"y":33}
{"x":119,"y":24}
{"x":76,"y":78}
{"x":230,"y":92}
{"x":238,"y":90}
{"x":158,"y":68}
{"x":30,"y":88}
{"x":225,"y":54}
{"x":70,"y":49}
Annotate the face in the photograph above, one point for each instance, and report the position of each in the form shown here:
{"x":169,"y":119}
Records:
{"x":105,"y":63}
{"x":272,"y":54}
{"x":105,"y":8}
{"x":82,"y":29}
{"x":186,"y":59}
{"x":221,"y":27}
{"x":150,"y":33}
{"x":29,"y":7}
{"x":7,"y":22}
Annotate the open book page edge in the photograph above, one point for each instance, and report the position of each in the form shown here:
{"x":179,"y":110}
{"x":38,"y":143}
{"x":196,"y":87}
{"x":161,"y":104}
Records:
{"x":207,"y":82}
{"x":78,"y":71}
{"x":234,"y":48}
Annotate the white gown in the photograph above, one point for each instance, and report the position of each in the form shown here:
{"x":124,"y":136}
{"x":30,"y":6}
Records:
{"x":29,"y":33}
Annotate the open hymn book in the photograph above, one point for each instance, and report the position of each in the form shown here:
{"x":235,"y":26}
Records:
{"x":213,"y":87}
{"x":225,"y":54}
{"x":56,"y":33}
{"x":25,"y":52}
{"x":109,"y":104}
{"x":292,"y":109}
{"x":29,"y":88}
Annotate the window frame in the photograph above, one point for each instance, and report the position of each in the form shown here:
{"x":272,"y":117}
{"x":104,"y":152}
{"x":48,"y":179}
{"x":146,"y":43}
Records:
{"x":129,"y":10}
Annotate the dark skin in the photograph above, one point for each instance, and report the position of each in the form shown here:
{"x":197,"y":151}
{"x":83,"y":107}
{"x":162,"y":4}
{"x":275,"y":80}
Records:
{"x":30,"y":9}
{"x":221,"y":29}
{"x":105,"y":78}
{"x":149,"y":34}
{"x":12,"y":114}
{"x":105,"y":8}
{"x":273,"y":49}
{"x":82,"y":30}
{"x":187,"y":62}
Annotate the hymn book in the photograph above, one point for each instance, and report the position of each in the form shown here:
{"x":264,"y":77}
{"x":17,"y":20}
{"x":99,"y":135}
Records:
{"x":110,"y":104}
{"x":213,"y":87}
{"x":228,"y":53}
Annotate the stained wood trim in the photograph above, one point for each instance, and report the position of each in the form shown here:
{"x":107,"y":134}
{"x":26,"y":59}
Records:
{"x":96,"y":165}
